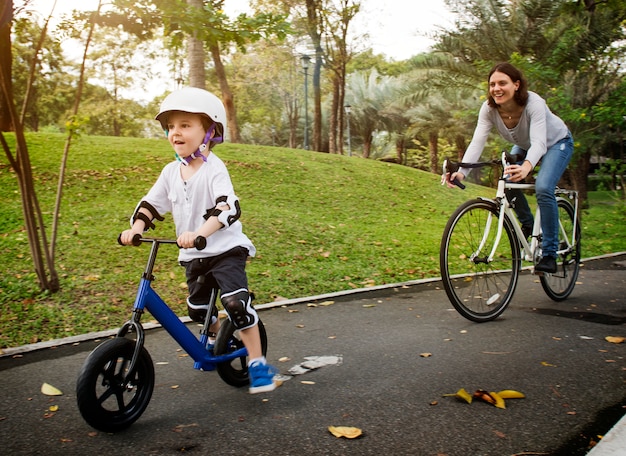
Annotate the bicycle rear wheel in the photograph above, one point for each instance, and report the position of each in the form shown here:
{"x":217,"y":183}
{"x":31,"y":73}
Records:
{"x":560,"y":285}
{"x":235,"y":373}
{"x":479,"y":289}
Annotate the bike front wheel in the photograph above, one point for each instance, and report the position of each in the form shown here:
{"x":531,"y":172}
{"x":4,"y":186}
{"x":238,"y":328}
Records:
{"x":235,"y":372}
{"x":479,"y":289}
{"x":560,"y":285}
{"x":108,"y":398}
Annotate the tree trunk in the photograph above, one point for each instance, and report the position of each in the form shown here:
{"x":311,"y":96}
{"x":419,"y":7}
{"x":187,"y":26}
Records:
{"x":461,"y":145}
{"x":227,"y":96}
{"x":313,"y":9}
{"x":579,"y":170}
{"x":317,"y":101}
{"x":333,"y":147}
{"x":433,"y":138}
{"x":6,"y":16}
{"x":195,"y":55}
{"x":401,"y":156}
{"x":367,"y":146}
{"x":20,"y":163}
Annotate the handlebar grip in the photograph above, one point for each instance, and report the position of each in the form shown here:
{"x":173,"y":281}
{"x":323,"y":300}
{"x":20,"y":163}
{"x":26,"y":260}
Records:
{"x":136,"y":240}
{"x":458,"y":183}
{"x":200,"y":243}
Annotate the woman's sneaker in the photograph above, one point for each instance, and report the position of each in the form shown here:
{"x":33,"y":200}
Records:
{"x":546,"y":264}
{"x":261,"y":377}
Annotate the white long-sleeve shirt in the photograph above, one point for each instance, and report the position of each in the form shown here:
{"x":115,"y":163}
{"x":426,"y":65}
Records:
{"x":189,"y":200}
{"x":537,"y":130}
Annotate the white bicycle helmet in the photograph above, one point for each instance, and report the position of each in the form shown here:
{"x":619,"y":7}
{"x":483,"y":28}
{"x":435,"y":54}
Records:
{"x":197,"y":101}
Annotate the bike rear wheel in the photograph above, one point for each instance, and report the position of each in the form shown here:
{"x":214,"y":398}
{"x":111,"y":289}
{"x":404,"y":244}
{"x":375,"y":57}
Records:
{"x":560,"y":285}
{"x":107,"y":398}
{"x":235,"y":372}
{"x":479,"y":290}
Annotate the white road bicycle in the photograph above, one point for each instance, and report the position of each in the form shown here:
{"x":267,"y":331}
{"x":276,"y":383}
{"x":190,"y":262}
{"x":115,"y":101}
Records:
{"x":483,"y":248}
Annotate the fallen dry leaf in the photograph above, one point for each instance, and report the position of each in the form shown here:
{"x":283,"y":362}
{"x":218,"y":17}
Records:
{"x":426,"y":355}
{"x":345,"y":431}
{"x":511,"y":394}
{"x":614,"y":339}
{"x":461,"y":394}
{"x":50,"y":390}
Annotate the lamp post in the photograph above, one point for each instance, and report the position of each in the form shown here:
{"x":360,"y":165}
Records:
{"x":305,"y":66}
{"x":348,"y":111}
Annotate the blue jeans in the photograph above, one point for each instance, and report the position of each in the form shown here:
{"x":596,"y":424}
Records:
{"x":553,"y":165}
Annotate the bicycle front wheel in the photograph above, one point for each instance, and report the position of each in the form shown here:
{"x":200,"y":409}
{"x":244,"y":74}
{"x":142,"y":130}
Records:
{"x":108,"y":399}
{"x":479,"y":289}
{"x":560,"y":285}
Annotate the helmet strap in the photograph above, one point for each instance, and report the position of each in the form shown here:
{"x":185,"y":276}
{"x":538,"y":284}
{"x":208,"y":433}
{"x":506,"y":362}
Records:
{"x":199,"y":152}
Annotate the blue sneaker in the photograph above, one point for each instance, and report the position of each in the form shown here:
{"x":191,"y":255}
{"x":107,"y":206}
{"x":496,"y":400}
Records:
{"x":261,"y":378}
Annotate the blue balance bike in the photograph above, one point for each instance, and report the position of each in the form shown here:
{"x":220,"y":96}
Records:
{"x":116,"y":380}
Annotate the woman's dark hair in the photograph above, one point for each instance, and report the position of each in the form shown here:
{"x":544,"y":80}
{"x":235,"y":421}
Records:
{"x":521,"y":95}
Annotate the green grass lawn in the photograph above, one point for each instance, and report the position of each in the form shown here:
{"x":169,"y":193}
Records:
{"x":320,"y":222}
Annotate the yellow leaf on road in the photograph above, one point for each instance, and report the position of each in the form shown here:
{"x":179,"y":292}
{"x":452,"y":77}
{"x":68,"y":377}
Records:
{"x":50,"y":390}
{"x":499,"y":401}
{"x":345,"y":431}
{"x":511,"y":394}
{"x":461,"y":394}
{"x":615,"y":340}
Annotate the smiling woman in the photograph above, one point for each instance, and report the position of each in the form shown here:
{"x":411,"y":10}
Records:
{"x":523,"y":118}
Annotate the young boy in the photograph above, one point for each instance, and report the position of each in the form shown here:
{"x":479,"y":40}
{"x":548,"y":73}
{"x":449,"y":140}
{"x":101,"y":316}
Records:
{"x":197,"y":190}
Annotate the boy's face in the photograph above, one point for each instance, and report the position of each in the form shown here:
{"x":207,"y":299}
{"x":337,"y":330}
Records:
{"x":185,"y":132}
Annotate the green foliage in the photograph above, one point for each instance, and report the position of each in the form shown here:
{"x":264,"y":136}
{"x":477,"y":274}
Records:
{"x":321,"y":223}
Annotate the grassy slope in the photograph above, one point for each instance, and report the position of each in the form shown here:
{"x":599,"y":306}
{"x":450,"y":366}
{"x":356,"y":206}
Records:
{"x":321,"y":223}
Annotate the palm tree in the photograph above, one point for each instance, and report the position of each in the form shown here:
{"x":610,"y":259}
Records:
{"x":370,"y":96}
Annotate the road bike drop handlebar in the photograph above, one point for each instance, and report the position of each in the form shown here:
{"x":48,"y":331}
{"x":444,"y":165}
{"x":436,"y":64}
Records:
{"x":199,"y":243}
{"x":452,"y":167}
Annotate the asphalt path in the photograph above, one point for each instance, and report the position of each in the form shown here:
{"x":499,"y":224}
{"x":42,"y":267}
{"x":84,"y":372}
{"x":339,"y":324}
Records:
{"x":391,"y":353}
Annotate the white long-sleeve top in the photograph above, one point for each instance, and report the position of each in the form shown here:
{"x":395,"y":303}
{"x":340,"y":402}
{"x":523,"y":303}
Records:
{"x":537,"y":130}
{"x":189,"y":200}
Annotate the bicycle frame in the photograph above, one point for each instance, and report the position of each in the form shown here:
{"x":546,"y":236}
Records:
{"x":149,"y":299}
{"x":507,"y":209}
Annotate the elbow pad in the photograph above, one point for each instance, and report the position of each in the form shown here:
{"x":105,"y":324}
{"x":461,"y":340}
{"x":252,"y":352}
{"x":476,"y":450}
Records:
{"x":141,"y":216}
{"x":226,"y":216}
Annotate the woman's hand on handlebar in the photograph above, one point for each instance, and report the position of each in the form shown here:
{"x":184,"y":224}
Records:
{"x":453,"y":179}
{"x":517,"y":173}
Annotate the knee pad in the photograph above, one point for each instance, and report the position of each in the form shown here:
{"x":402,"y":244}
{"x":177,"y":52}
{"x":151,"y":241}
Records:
{"x":197,"y":312}
{"x":238,"y":305}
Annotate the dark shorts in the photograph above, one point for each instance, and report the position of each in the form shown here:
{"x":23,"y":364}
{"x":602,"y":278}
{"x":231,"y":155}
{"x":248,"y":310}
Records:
{"x":227,"y":272}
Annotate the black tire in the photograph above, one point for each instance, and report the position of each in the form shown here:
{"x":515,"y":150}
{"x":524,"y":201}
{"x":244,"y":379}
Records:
{"x":235,"y":373}
{"x":559,"y":286}
{"x":479,"y":290}
{"x":107,"y":399}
